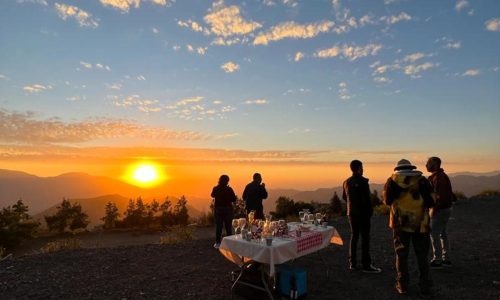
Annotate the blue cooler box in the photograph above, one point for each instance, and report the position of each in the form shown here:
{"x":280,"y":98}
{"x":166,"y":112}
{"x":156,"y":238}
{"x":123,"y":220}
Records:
{"x":292,"y":278}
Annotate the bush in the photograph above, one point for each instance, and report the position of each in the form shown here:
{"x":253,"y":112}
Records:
{"x":67,"y":216}
{"x":66,"y":244}
{"x":178,"y":235}
{"x":16,"y":225}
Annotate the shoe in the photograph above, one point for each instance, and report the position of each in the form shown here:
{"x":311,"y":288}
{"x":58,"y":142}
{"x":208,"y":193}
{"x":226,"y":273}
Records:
{"x":216,"y":245}
{"x":372,"y":269}
{"x":402,"y":290}
{"x":446,"y":263}
{"x":436,"y":265}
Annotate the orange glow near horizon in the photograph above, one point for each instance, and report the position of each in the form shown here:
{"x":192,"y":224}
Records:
{"x":145,"y":174}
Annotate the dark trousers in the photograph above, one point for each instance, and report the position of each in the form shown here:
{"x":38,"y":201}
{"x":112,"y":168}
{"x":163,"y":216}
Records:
{"x":223,"y":217}
{"x":360,"y":226}
{"x":421,"y":246}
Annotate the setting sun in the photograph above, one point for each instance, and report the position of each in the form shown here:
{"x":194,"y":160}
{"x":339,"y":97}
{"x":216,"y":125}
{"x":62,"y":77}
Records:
{"x":145,"y":174}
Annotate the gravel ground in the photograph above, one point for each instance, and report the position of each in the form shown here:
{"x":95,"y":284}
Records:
{"x":194,"y":270}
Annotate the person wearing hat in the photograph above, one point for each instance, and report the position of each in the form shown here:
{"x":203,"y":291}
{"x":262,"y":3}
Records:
{"x":408,"y":194}
{"x":224,"y":197}
{"x":444,"y":198}
{"x":356,"y":193}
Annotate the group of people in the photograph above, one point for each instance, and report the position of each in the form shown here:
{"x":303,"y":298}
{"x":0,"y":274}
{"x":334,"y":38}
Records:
{"x":419,"y":212}
{"x":224,"y":197}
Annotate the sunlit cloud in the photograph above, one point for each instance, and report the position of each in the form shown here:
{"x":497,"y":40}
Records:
{"x":396,"y":18}
{"x":217,"y":102}
{"x":256,"y":102}
{"x":201,"y":50}
{"x":143,"y":105}
{"x":298,"y":56}
{"x":36,"y":88}
{"x":344,"y":92}
{"x":83,"y":18}
{"x":76,"y":98}
{"x":176,"y":48}
{"x":414,"y":57}
{"x":449,"y":43}
{"x":227,"y":21}
{"x":115,"y":86}
{"x":296,"y":91}
{"x":125,"y":5}
{"x":292,"y":30}
{"x":269,"y":2}
{"x":381,"y":69}
{"x":462,"y":4}
{"x":230,"y":67}
{"x":366,"y":20}
{"x":193,"y":26}
{"x":227,"y":136}
{"x":472,"y":72}
{"x":97,"y":66}
{"x":141,"y":78}
{"x":41,"y":2}
{"x":381,"y":79}
{"x":414,"y":70}
{"x":493,"y":24}
{"x":350,"y":52}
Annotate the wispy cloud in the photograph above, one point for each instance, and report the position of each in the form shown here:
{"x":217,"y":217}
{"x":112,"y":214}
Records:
{"x":344,"y":91}
{"x":115,"y":86}
{"x":462,"y":4}
{"x":382,"y":79}
{"x":292,"y":30}
{"x":193,"y":26}
{"x":76,"y":98}
{"x":256,"y":101}
{"x":230,"y":67}
{"x":493,"y":24}
{"x":449,"y":43}
{"x":396,"y":18}
{"x":227,"y":21}
{"x":4,"y":77}
{"x":414,"y":57}
{"x":41,"y":2}
{"x":143,"y":105}
{"x":83,"y":18}
{"x":27,"y":128}
{"x":97,"y":66}
{"x":36,"y":88}
{"x":125,"y":5}
{"x":414,"y":70}
{"x":298,"y":56}
{"x":472,"y":72}
{"x":350,"y":52}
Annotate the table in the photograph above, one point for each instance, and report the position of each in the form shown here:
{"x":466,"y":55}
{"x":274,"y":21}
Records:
{"x":240,"y":251}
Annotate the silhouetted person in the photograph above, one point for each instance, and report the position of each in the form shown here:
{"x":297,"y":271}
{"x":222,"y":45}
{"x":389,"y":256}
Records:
{"x":409,"y":195}
{"x":253,"y":195}
{"x":224,"y":197}
{"x":356,"y":193}
{"x":444,"y":198}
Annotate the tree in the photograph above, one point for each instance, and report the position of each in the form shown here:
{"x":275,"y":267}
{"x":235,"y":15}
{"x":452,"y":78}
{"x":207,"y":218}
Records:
{"x":151,"y":210}
{"x":181,"y":211}
{"x":16,"y":225}
{"x":166,"y":216}
{"x":335,"y":205}
{"x":111,"y":215}
{"x":67,"y":215}
{"x":285,"y":207}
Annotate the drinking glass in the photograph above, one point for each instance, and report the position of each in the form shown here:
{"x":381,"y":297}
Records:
{"x":319,"y":218}
{"x":235,"y":225}
{"x":301,"y":216}
{"x":241,"y":223}
{"x":310,"y":218}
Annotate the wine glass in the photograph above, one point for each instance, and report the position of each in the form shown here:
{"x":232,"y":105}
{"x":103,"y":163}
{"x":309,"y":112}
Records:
{"x":241,"y":223}
{"x":310,"y":218}
{"x":301,"y":216}
{"x":251,"y":216}
{"x":319,"y":218}
{"x":235,"y":225}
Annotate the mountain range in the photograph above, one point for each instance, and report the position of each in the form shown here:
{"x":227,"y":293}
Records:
{"x":43,"y":194}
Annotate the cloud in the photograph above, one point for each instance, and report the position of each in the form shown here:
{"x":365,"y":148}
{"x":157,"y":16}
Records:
{"x":4,"y":77}
{"x":227,"y":21}
{"x":83,"y":18}
{"x":269,"y":2}
{"x":381,"y":79}
{"x":36,"y":88}
{"x":493,"y":24}
{"x":343,"y":91}
{"x":453,"y":45}
{"x":256,"y":102}
{"x":396,"y":19}
{"x":115,"y":86}
{"x":155,"y":30}
{"x":28,"y":129}
{"x":298,"y":56}
{"x":41,"y":2}
{"x":382,"y":69}
{"x":76,"y":98}
{"x":449,"y":43}
{"x":141,"y":78}
{"x":193,"y":26}
{"x":143,"y":105}
{"x":292,"y":30}
{"x":97,"y":66}
{"x":460,"y":5}
{"x":415,"y":70}
{"x":365,"y":20}
{"x":414,"y":57}
{"x":350,"y":52}
{"x":230,"y":67}
{"x":125,"y":5}
{"x":472,"y":72}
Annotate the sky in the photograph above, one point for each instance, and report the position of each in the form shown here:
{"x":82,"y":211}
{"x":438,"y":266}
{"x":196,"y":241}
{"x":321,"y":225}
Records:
{"x":293,"y":88}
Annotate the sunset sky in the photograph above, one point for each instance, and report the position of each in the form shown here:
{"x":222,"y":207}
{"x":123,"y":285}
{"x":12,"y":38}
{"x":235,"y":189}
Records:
{"x":292,"y":88}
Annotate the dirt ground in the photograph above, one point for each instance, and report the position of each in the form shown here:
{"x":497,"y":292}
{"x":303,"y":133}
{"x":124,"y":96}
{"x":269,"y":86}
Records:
{"x":115,"y":269}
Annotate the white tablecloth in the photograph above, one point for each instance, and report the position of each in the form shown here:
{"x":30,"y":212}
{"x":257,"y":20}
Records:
{"x":237,"y":250}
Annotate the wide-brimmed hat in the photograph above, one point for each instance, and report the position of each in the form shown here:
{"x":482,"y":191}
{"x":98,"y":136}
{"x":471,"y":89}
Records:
{"x":404,"y":164}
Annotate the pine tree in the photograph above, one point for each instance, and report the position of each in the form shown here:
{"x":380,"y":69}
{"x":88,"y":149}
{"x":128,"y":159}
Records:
{"x":67,"y":215}
{"x":181,"y":211}
{"x":335,"y":205}
{"x":111,"y":215}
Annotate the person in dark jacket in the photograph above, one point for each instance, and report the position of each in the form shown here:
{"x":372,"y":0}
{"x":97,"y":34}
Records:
{"x":356,"y":193}
{"x":224,"y":197}
{"x":444,"y":198}
{"x":408,"y":194}
{"x":253,"y":195}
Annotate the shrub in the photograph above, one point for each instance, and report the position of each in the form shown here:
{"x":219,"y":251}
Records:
{"x":65,"y":244}
{"x":178,"y":235}
{"x":16,"y":225}
{"x":67,"y":215}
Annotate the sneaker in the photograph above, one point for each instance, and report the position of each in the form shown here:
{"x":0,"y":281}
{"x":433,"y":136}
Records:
{"x":216,"y":245}
{"x":436,"y":265}
{"x":446,"y":263}
{"x":402,"y":290}
{"x":372,"y":269}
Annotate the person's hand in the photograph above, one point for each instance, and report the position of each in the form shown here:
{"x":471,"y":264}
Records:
{"x":263,"y":184}
{"x":431,"y":212}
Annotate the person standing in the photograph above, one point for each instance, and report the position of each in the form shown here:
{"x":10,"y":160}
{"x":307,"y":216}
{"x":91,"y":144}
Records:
{"x":408,"y":194}
{"x":253,"y":195}
{"x":356,"y":193}
{"x":444,"y":198}
{"x":224,"y":197}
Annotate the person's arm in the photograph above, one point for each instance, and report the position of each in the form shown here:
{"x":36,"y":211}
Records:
{"x":263,"y":192}
{"x":233,"y":195}
{"x":344,"y":194}
{"x":245,"y":194}
{"x":213,"y":193}
{"x":388,"y":194}
{"x":425,"y":191}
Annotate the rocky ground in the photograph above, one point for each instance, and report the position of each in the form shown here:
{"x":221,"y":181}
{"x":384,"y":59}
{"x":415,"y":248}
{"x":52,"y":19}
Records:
{"x":195,"y":270}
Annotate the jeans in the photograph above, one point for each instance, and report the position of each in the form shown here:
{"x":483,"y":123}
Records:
{"x":439,"y":234}
{"x":421,"y":246}
{"x":360,"y":225}
{"x":223,"y":216}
